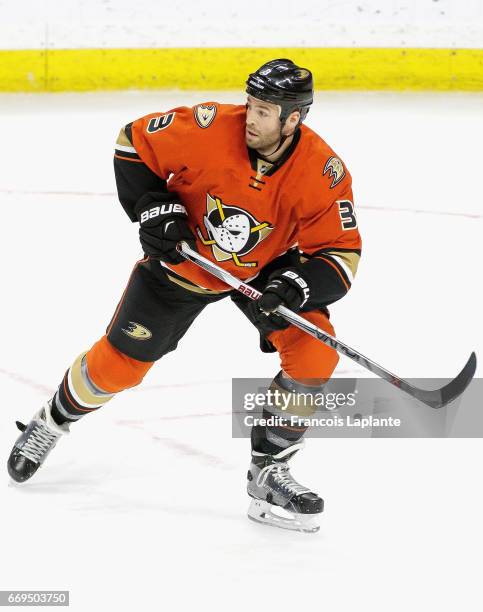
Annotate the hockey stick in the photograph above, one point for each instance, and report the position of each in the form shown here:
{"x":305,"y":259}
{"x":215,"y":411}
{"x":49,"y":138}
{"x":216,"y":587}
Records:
{"x":435,"y":399}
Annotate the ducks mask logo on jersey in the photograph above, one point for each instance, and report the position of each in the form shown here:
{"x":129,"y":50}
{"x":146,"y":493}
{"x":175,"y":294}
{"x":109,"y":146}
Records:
{"x":232,"y":231}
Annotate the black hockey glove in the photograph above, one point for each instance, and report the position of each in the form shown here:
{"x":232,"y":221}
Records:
{"x":286,"y":287}
{"x":163,"y":222}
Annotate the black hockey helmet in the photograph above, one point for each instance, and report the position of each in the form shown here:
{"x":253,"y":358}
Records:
{"x":282,"y":82}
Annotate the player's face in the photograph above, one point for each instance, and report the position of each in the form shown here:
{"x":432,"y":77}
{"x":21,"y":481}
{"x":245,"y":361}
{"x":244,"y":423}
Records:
{"x":262,"y":125}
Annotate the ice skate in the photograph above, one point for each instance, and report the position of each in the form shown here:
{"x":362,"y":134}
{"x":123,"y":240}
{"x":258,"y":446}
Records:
{"x":37,"y":440}
{"x":277,"y":498}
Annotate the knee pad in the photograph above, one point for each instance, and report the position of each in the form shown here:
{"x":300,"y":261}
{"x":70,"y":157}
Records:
{"x":113,"y":371}
{"x":304,"y":358}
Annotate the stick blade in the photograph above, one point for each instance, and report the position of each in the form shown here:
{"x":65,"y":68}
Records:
{"x":440,"y":397}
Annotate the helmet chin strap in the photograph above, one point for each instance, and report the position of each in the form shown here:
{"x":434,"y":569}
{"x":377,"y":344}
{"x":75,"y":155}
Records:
{"x":282,"y":138}
{"x":283,"y":120}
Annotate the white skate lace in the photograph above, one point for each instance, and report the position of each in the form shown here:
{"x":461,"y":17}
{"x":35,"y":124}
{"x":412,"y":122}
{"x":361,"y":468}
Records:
{"x":281,"y":475}
{"x":40,"y":440}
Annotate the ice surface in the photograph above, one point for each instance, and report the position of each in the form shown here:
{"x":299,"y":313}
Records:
{"x":143,"y":506}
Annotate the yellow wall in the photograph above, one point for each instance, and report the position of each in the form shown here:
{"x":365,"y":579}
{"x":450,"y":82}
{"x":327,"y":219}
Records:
{"x":218,"y":68}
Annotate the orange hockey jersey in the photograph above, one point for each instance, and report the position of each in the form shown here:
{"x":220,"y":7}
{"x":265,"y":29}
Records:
{"x":243,"y":210}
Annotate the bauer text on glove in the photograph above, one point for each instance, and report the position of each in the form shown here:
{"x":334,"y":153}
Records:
{"x":163,"y":222}
{"x":285,"y":287}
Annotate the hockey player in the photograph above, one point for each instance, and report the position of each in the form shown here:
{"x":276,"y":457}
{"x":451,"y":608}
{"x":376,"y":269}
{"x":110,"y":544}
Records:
{"x":258,"y":192}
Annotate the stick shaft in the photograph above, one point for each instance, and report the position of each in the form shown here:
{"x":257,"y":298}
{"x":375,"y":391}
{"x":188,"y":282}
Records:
{"x":287,"y":314}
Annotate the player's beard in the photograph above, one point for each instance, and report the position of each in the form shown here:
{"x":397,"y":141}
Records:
{"x":265,"y":144}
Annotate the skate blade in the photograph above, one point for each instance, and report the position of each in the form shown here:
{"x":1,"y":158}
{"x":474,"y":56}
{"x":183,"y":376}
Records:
{"x":262,"y":512}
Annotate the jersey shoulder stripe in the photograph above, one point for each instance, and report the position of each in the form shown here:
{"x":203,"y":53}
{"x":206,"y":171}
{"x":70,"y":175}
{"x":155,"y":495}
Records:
{"x":124,"y":148}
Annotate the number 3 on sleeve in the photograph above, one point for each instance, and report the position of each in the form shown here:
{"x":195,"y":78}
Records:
{"x":347,"y":215}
